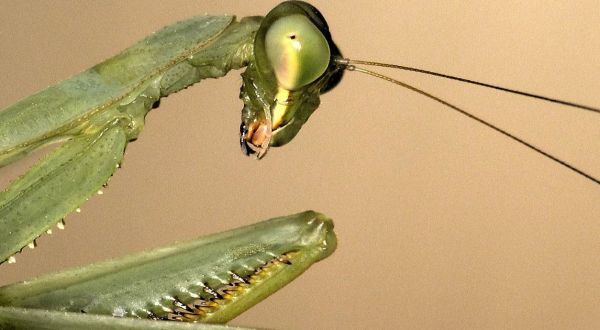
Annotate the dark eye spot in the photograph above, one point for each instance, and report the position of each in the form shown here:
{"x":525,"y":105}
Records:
{"x":293,"y":36}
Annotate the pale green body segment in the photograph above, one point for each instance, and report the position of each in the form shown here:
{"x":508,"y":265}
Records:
{"x":79,"y":167}
{"x":146,"y":284}
{"x":154,"y":67}
{"x":15,"y":318}
{"x":99,"y":111}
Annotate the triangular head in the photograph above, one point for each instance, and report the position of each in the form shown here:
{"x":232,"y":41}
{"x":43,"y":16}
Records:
{"x":293,"y":64}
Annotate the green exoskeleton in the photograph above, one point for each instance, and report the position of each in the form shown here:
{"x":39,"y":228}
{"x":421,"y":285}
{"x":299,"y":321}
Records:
{"x":289,"y":57}
{"x":272,"y":115}
{"x":97,"y":112}
{"x":211,"y":280}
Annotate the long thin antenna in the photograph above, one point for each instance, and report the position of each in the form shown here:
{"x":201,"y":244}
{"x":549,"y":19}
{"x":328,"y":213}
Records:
{"x":351,"y":67}
{"x":469,"y":81}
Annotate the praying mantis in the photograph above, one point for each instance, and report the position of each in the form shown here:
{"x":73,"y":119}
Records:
{"x":431,"y":235}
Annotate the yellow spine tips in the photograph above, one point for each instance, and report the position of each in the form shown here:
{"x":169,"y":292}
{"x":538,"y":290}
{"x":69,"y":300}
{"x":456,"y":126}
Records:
{"x":297,"y":51}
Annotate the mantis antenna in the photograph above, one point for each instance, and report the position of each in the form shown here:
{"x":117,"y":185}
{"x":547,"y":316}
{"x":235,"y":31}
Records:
{"x":349,"y":65}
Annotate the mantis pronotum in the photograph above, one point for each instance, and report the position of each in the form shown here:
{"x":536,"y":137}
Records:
{"x":477,"y":223}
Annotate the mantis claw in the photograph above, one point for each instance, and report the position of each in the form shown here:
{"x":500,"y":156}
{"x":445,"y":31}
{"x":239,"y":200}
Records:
{"x":192,"y":280}
{"x":70,"y":174}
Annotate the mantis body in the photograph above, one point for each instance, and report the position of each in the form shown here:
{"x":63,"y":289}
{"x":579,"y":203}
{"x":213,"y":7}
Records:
{"x":528,"y":231}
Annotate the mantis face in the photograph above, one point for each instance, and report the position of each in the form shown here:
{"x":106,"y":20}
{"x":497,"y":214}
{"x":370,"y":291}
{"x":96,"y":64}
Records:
{"x":292,"y":65}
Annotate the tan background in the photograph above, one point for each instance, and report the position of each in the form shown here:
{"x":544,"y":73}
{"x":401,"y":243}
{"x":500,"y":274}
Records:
{"x":442,"y":223}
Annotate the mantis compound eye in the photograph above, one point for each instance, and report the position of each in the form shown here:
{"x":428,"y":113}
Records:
{"x":297,"y":51}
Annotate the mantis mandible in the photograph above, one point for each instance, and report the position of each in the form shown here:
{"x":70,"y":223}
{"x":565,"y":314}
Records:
{"x":465,"y":207}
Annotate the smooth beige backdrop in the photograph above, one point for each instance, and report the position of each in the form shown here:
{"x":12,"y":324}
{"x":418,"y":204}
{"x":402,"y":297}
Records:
{"x":442,"y":223}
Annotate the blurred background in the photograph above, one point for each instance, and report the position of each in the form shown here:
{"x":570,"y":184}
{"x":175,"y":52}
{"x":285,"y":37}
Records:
{"x":442,"y":223}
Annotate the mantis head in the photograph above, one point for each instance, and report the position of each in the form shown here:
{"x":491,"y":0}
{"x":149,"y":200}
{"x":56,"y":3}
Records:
{"x":293,"y":64}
